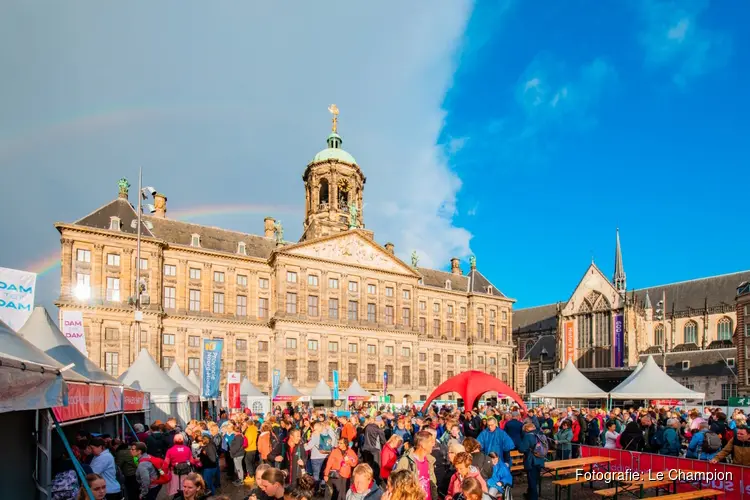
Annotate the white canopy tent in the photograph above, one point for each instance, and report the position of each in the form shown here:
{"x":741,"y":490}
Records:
{"x":168,"y":398}
{"x":41,"y":331}
{"x":193,"y":377}
{"x":287,"y":392}
{"x":570,"y":384}
{"x":176,"y":374}
{"x":253,"y":398}
{"x":321,"y":392}
{"x":629,"y":377}
{"x":652,"y":383}
{"x":355,"y":392}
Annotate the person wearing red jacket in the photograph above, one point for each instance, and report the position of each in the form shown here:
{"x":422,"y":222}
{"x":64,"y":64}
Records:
{"x":339,"y":467}
{"x":389,"y":455}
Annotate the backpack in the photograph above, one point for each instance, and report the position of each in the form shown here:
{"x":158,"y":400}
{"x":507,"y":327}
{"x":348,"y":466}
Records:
{"x":659,"y":437}
{"x":244,"y":442}
{"x":541,"y":448}
{"x":618,"y":443}
{"x":326,"y":443}
{"x":711,"y":442}
{"x":65,"y":486}
{"x":163,"y":476}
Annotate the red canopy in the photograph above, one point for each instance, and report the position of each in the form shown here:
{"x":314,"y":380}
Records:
{"x":470,"y":386}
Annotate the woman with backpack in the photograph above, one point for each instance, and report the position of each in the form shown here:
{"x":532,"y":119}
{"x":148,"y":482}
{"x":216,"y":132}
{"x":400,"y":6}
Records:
{"x":564,"y":440}
{"x":339,"y":466}
{"x":705,"y":444}
{"x":179,"y":460}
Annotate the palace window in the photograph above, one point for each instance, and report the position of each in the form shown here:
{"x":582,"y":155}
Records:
{"x":167,"y":362}
{"x":436,"y":327}
{"x":195,"y":273}
{"x":312,"y":345}
{"x":493,"y":313}
{"x":389,"y":350}
{"x":352,"y":374}
{"x":691,"y":332}
{"x":312,"y":305}
{"x":291,"y":343}
{"x":112,"y":363}
{"x":241,"y":344}
{"x":168,"y":339}
{"x":450,"y":309}
{"x":291,"y":369}
{"x":659,"y":335}
{"x":463,"y":312}
{"x":371,"y":289}
{"x":113,"y":259}
{"x":480,"y":312}
{"x":504,"y":333}
{"x":422,"y":377}
{"x":480,"y":360}
{"x":333,"y":347}
{"x":262,"y":307}
{"x":170,"y":297}
{"x":450,"y":359}
{"x":422,"y":356}
{"x":83,"y":255}
{"x":218,"y":303}
{"x":83,"y":285}
{"x":406,"y":375}
{"x":240,"y":366}
{"x":241,"y":280}
{"x":480,"y":331}
{"x":113,"y":289}
{"x":332,"y":367}
{"x":463,"y":360}
{"x":406,"y":316}
{"x":194,"y":364}
{"x":462,"y":331}
{"x":333,"y":283}
{"x":436,"y":358}
{"x":449,"y":329}
{"x":436,"y":377}
{"x":291,"y":277}
{"x":353,"y":310}
{"x":353,"y":286}
{"x":241,"y":305}
{"x":406,"y":294}
{"x":406,"y":352}
{"x":389,"y":315}
{"x":291,"y":303}
{"x":492,"y":333}
{"x":312,"y":371}
{"x":372,"y":349}
{"x":372,"y":374}
{"x":144,"y":264}
{"x":422,"y":325}
{"x":371,"y":313}
{"x":194,"y":341}
{"x":195,"y":300}
{"x":312,"y":280}
{"x":263,"y":283}
{"x":352,"y":348}
{"x":262,"y":346}
{"x":262,"y":371}
{"x":423,"y":306}
{"x":389,"y":291}
{"x":436,"y":307}
{"x":218,"y":277}
{"x":111,"y":334}
{"x":493,"y":361}
{"x":333,"y":308}
{"x":449,"y":374}
{"x":724,"y":329}
{"x":170,"y":270}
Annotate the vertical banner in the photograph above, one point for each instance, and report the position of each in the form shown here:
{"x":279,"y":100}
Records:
{"x":16,"y":296}
{"x":335,"y":385}
{"x":72,"y":328}
{"x":385,"y":383}
{"x":233,"y":390}
{"x":211,"y":367}
{"x":569,"y":345}
{"x":276,"y":382}
{"x":619,"y":349}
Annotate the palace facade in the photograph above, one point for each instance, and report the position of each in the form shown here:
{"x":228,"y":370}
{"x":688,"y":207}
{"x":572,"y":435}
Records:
{"x":605,"y":329}
{"x":334,"y":300}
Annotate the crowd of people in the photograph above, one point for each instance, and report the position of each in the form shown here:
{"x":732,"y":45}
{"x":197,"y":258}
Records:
{"x":301,"y":453}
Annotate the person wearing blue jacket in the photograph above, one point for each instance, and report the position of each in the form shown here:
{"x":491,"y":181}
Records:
{"x":500,"y":478}
{"x":494,"y":439}
{"x":670,"y":442}
{"x":532,"y":464}
{"x":696,"y":447}
{"x":513,"y":428}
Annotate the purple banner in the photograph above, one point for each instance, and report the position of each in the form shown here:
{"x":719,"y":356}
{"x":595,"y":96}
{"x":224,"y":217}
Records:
{"x":619,"y":360}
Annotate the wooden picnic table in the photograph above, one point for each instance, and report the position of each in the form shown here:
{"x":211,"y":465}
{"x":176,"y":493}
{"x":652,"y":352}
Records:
{"x":569,"y":466}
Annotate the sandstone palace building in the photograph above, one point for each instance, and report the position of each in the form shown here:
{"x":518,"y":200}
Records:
{"x":334,"y":300}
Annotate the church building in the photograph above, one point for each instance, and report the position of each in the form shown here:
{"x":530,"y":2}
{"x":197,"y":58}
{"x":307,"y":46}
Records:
{"x":334,"y":301}
{"x":606,"y":329}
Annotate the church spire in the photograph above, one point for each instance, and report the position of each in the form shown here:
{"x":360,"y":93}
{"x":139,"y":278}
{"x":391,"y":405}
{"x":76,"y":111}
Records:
{"x":619,"y":278}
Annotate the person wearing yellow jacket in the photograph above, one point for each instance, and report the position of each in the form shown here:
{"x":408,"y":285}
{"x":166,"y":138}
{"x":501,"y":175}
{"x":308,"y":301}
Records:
{"x":251,"y":450}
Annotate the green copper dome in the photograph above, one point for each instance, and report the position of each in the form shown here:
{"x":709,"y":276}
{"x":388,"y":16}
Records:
{"x":334,"y":151}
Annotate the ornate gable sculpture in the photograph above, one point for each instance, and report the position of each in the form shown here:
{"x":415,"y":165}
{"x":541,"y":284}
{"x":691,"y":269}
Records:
{"x":350,"y":248}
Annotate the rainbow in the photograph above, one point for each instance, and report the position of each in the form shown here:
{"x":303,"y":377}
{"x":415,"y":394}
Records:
{"x":52,"y":262}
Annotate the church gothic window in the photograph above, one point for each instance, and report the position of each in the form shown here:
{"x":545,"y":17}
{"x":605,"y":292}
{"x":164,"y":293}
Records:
{"x":691,"y":332}
{"x":594,"y":333}
{"x":659,"y":335}
{"x":724,"y":329}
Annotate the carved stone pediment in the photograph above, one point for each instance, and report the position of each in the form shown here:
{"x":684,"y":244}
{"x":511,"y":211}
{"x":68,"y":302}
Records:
{"x":350,"y":249}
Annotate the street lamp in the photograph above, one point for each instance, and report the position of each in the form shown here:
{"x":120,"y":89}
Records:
{"x":660,"y":315}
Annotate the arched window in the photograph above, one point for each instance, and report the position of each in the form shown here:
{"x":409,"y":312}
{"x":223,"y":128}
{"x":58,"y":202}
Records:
{"x":659,"y":335}
{"x":323,"y":193}
{"x":528,"y":347}
{"x":691,"y":332}
{"x":724,"y":329}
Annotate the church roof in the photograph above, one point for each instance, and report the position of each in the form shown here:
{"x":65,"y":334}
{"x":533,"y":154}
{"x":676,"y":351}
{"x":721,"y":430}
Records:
{"x":546,"y":343}
{"x":693,"y":294}
{"x":119,"y":207}
{"x":535,"y":319}
{"x":705,"y":363}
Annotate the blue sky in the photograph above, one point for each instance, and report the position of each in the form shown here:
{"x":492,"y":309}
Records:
{"x":521,"y":132}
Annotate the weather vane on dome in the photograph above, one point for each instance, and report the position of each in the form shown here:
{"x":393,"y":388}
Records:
{"x":334,"y":110}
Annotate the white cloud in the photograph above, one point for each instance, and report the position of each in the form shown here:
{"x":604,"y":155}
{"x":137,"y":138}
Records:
{"x":257,"y":79}
{"x":674,"y":39}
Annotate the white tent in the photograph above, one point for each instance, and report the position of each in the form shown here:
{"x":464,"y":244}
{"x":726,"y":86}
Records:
{"x":355,"y":392}
{"x":34,"y":376}
{"x":41,"y":331}
{"x":168,"y":398}
{"x":570,"y":384}
{"x":652,"y":383}
{"x":629,"y":377}
{"x":287,"y":392}
{"x":321,"y":392}
{"x":193,"y":377}
{"x":176,"y":374}
{"x":253,"y":398}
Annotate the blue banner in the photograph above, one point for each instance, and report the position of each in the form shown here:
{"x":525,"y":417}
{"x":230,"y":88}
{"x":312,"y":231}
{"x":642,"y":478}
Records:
{"x":335,"y":385}
{"x":385,"y":382}
{"x":276,"y":382}
{"x":212,"y":367}
{"x":619,"y":360}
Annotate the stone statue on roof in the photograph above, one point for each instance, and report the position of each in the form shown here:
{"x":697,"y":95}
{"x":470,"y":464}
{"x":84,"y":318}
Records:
{"x":124,"y":185}
{"x":473,"y":262}
{"x":414,"y":259}
{"x":279,"y":231}
{"x":353,"y":211}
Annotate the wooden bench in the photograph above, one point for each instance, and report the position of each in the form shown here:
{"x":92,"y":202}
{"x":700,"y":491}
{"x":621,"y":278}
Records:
{"x":693,"y":495}
{"x":637,"y":487}
{"x":565,"y":472}
{"x":567,"y":484}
